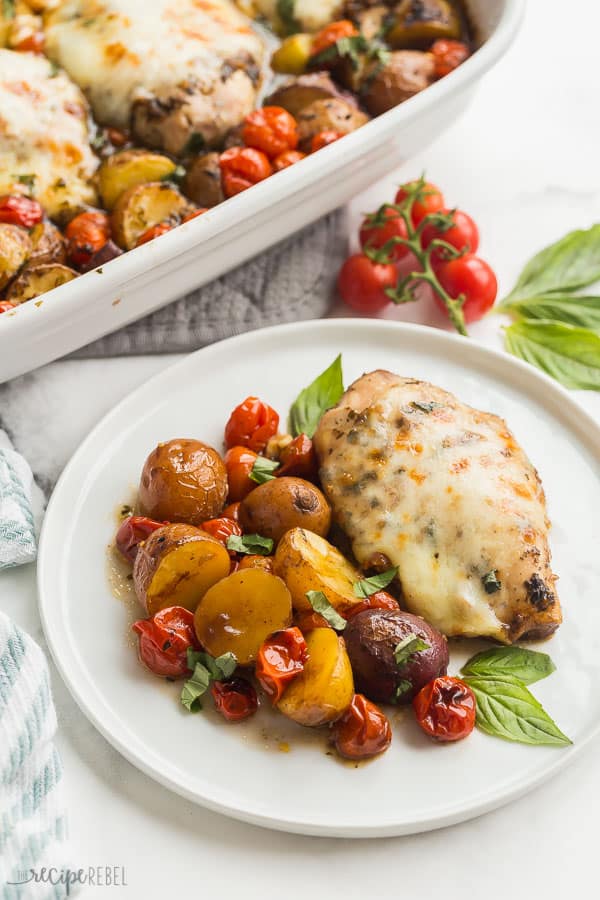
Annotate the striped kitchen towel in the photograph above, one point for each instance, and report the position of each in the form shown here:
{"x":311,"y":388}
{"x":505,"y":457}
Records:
{"x":17,"y":529}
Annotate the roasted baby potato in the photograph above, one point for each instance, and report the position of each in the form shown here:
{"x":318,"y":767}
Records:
{"x":240,"y":612}
{"x":47,"y":245}
{"x":276,"y":506}
{"x":324,"y":690}
{"x":417,"y":23}
{"x":15,"y":247}
{"x":37,"y":280}
{"x":143,"y":206}
{"x":183,"y":480}
{"x":202,"y":182}
{"x":129,"y":168}
{"x":371,"y":639}
{"x":307,"y":562}
{"x":405,"y":74}
{"x":298,"y":93}
{"x":176,"y":565}
{"x":331,"y":114}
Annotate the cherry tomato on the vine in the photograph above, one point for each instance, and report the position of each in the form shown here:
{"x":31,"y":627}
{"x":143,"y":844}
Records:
{"x":381,"y":227}
{"x":471,"y":276}
{"x":378,"y":600}
{"x":164,"y":640}
{"x":86,"y":234}
{"x":331,"y":34}
{"x":152,"y":233}
{"x":239,"y":462}
{"x":241,"y":167}
{"x":132,"y":531}
{"x":280,"y":659}
{"x":235,"y":698}
{"x":445,"y":709}
{"x":448,"y":55}
{"x":323,"y":139}
{"x":363,"y":731}
{"x":251,"y":424}
{"x":287,"y":158}
{"x":362,"y":283}
{"x":271,"y":129}
{"x":222,"y":529}
{"x":429,"y":200}
{"x":20,"y":211}
{"x":462,"y":235}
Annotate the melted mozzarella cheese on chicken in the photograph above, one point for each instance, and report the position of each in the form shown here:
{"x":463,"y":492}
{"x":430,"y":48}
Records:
{"x":423,"y":482}
{"x":43,"y":133}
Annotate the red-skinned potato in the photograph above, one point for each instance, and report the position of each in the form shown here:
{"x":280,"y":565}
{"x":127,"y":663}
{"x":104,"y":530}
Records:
{"x":284,"y":503}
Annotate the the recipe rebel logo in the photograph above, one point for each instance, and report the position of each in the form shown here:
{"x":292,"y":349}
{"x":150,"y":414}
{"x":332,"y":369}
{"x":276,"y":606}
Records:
{"x":70,"y":879}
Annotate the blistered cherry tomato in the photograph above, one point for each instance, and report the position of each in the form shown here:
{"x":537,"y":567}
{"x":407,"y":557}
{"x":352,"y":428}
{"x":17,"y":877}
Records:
{"x":287,"y":159}
{"x":308,"y":620}
{"x":222,"y":529}
{"x":362,"y":283}
{"x":462,"y":235}
{"x":448,"y":55}
{"x":239,"y":462}
{"x":471,"y":276}
{"x":241,"y":167}
{"x":378,"y":229}
{"x":299,"y":459}
{"x":252,"y":561}
{"x":363,"y":731}
{"x":280,"y":659}
{"x":445,"y":709}
{"x":31,"y":43}
{"x":86,"y":234}
{"x":379,"y":600}
{"x":164,"y":640}
{"x":132,"y":531}
{"x":235,"y":698}
{"x":194,"y":215}
{"x":20,"y":211}
{"x":331,"y":34}
{"x":5,"y":305}
{"x":430,"y":200}
{"x":152,"y":233}
{"x":232,"y":512}
{"x":323,"y":139}
{"x":117,"y":137}
{"x":271,"y":129}
{"x":251,"y":424}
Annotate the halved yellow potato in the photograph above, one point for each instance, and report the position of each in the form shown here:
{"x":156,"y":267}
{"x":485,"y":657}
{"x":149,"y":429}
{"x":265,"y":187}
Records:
{"x":129,"y":168}
{"x":324,"y":690}
{"x":176,"y":565}
{"x":143,"y":206}
{"x":15,"y":247}
{"x":307,"y":562}
{"x":37,"y":280}
{"x":47,"y":245}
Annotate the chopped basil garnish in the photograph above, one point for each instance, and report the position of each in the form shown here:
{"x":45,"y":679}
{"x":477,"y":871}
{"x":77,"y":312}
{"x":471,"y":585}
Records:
{"x":195,"y":144}
{"x":348,"y":47}
{"x":263,"y":469}
{"x":526,"y":665}
{"x":195,"y":687}
{"x":254,"y":544}
{"x":424,"y":407}
{"x":285,"y":11}
{"x":403,"y":686}
{"x":29,"y":180}
{"x":314,"y":400}
{"x":490,"y":581}
{"x":206,"y":668}
{"x":321,"y":605}
{"x":8,"y":9}
{"x":406,"y":649}
{"x":368,"y":586}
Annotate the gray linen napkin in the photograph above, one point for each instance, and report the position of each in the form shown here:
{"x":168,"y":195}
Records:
{"x":289,"y":282}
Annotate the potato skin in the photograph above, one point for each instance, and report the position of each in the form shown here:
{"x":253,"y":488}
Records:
{"x":36,"y":280}
{"x":331,"y":114}
{"x":371,"y":638}
{"x":15,"y":247}
{"x":202,"y":182}
{"x":406,"y":73}
{"x":129,"y":168}
{"x":284,"y":503}
{"x":298,"y":93}
{"x":183,"y":480}
{"x":48,"y":245}
{"x":142,"y":206}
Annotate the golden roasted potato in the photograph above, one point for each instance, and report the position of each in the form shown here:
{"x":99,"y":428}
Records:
{"x":37,"y":280}
{"x":405,"y":74}
{"x":15,"y":247}
{"x":417,"y":23}
{"x":324,"y":690}
{"x":176,"y":565}
{"x":129,"y":168}
{"x":307,"y":562}
{"x":47,"y":245}
{"x":331,"y":114}
{"x":183,"y":480}
{"x":292,"y":57}
{"x":143,"y":206}
{"x":283,"y":503}
{"x":240,"y":612}
{"x":202,"y":182}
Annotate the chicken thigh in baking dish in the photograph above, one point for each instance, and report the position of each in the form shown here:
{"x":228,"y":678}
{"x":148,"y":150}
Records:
{"x":421,"y":481}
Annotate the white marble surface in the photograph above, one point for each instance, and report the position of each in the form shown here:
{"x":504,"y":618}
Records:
{"x":523,"y":162}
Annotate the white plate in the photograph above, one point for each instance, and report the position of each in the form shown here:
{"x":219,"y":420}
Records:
{"x":417,"y":785}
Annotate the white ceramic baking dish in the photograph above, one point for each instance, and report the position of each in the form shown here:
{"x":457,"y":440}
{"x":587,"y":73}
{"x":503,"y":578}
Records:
{"x":189,"y":256}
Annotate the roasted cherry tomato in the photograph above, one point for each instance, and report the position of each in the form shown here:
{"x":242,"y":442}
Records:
{"x":241,"y":167}
{"x":299,"y":459}
{"x":280,"y":659}
{"x":31,"y":43}
{"x":331,"y":34}
{"x":323,"y":139}
{"x":379,"y":600}
{"x":271,"y":129}
{"x":445,"y":709}
{"x":194,"y":215}
{"x":86,"y":234}
{"x":222,"y":529}
{"x":239,"y":462}
{"x":251,"y":424}
{"x":308,"y":620}
{"x":132,"y":531}
{"x":463,"y":234}
{"x":363,"y":731}
{"x":117,"y":137}
{"x":5,"y":305}
{"x":251,"y":561}
{"x":152,"y":233}
{"x":471,"y":276}
{"x":286,"y":159}
{"x":448,"y":55}
{"x":429,"y":200}
{"x":362,"y":283}
{"x":232,"y":512}
{"x":164,"y":640}
{"x":235,"y":698}
{"x":20,"y":211}
{"x":379,"y":228}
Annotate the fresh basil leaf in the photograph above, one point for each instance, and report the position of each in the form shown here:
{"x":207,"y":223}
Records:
{"x":195,"y":144}
{"x":491,"y":582}
{"x":348,"y":48}
{"x":226,"y":665}
{"x":314,"y":400}
{"x":572,"y":309}
{"x":407,"y":648}
{"x":401,"y":688}
{"x":219,"y":667}
{"x":195,"y":687}
{"x":526,"y":665}
{"x":285,"y":11}
{"x":424,"y":407}
{"x":368,"y":586}
{"x":254,"y":544}
{"x":506,"y":709}
{"x":321,"y":605}
{"x":571,"y":263}
{"x":8,"y":9}
{"x":28,"y":180}
{"x":569,"y":354}
{"x":263,"y":469}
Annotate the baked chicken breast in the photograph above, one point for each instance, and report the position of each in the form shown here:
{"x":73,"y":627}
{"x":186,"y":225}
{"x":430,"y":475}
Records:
{"x":444,"y":492}
{"x":178,"y":73}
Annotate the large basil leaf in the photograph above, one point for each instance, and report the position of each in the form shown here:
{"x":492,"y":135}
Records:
{"x":571,"y":263}
{"x":506,"y":709}
{"x":569,"y":354}
{"x":314,"y":400}
{"x":526,"y":665}
{"x":573,"y":309}
{"x":366,"y":587}
{"x":321,"y":605}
